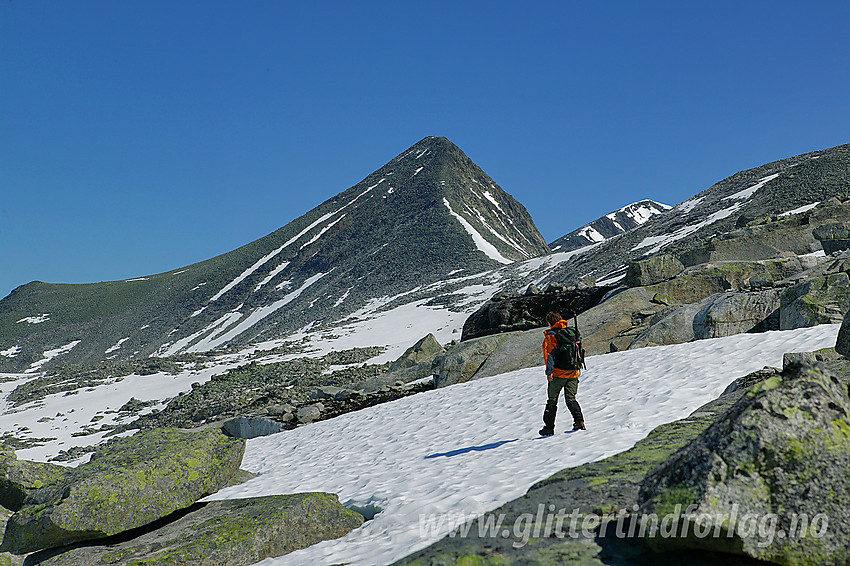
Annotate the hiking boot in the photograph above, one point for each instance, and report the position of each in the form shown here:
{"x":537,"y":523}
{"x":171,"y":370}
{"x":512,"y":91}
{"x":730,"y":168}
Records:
{"x":549,"y":419}
{"x":579,"y":426}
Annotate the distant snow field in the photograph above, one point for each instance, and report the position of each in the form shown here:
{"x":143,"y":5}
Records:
{"x":471,"y":447}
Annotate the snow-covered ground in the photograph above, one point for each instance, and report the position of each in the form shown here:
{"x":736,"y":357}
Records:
{"x":469,"y":448}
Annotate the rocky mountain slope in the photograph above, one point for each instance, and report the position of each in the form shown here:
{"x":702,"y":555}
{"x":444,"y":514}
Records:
{"x":694,"y":229}
{"x":610,"y":225}
{"x":428,"y":212}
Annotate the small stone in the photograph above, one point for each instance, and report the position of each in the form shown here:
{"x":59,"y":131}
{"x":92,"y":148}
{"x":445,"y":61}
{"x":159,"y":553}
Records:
{"x":309,"y":414}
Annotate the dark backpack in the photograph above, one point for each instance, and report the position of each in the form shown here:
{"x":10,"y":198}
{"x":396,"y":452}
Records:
{"x":569,"y":354}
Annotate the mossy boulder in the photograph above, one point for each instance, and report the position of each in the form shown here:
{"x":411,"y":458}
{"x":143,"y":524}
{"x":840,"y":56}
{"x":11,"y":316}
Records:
{"x":462,"y":362}
{"x":424,"y":350}
{"x":735,"y":313}
{"x":653,"y":270}
{"x":19,"y":478}
{"x":778,"y":460}
{"x":7,"y":559}
{"x":822,"y":300}
{"x":232,"y":532}
{"x":125,"y":485}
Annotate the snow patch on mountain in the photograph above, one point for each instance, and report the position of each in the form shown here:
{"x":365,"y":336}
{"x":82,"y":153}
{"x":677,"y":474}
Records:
{"x":750,"y":191}
{"x":660,"y":241}
{"x":480,"y":242}
{"x":50,"y":354}
{"x":35,"y":319}
{"x":116,"y":346}
{"x":800,"y":210}
{"x":272,"y":274}
{"x":11,"y":352}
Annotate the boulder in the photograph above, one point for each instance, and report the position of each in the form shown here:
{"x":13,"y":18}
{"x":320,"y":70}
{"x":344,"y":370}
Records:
{"x":251,"y":427}
{"x":532,"y":289}
{"x":309,"y":413}
{"x":525,"y":312}
{"x":735,"y":313}
{"x":461,"y":362}
{"x":424,"y":350}
{"x":698,"y":282}
{"x":6,"y":558}
{"x":842,"y":344}
{"x":518,"y":350}
{"x":614,"y":324}
{"x":675,"y":328}
{"x":326,"y":392}
{"x":19,"y":478}
{"x":125,"y":485}
{"x":777,"y":458}
{"x":653,"y":270}
{"x":236,"y":532}
{"x":824,"y":355}
{"x":834,"y":236}
{"x":280,"y":410}
{"x":822,"y":300}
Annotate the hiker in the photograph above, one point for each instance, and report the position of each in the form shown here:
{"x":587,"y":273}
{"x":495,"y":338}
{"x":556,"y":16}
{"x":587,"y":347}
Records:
{"x":561,"y":372}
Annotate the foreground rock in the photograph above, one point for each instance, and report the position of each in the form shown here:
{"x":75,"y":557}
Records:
{"x":233,"y":532}
{"x":782,"y":452}
{"x":19,"y":478}
{"x":127,"y":484}
{"x":7,"y":559}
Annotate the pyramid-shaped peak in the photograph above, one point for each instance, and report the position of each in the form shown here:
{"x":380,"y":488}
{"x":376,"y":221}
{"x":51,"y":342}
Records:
{"x":431,"y":147}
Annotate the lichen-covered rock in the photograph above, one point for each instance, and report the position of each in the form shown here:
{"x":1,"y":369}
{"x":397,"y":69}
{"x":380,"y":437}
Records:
{"x":462,"y":361}
{"x":735,"y":313}
{"x":125,"y":485}
{"x":309,"y":413}
{"x":822,"y":300}
{"x":7,"y":559}
{"x":653,"y":270}
{"x":780,"y":454}
{"x":18,"y":478}
{"x":424,"y":350}
{"x":675,"y":328}
{"x":234,"y":532}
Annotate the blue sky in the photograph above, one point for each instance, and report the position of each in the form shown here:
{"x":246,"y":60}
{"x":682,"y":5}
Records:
{"x":141,"y":136}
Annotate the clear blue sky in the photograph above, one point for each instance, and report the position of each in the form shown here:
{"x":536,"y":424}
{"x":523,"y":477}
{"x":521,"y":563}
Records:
{"x":141,"y":136}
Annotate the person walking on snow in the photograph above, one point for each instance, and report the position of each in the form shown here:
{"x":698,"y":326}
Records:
{"x":559,"y":379}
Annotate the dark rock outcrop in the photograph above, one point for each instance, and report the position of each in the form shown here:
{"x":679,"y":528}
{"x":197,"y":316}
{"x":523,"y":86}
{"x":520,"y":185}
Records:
{"x":251,"y":427}
{"x":125,"y":485}
{"x":516,"y":313}
{"x":834,"y":237}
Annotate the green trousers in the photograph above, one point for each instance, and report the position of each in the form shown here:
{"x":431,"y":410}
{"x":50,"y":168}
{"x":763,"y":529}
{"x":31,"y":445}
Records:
{"x":569,"y":385}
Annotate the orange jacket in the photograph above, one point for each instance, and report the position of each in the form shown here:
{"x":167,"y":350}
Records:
{"x":550,"y":343}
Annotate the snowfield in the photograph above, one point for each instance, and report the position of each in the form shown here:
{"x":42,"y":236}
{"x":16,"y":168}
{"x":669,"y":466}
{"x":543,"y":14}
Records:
{"x":469,"y":448}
